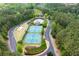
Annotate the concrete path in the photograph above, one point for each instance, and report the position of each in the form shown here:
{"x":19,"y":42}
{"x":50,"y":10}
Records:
{"x":11,"y":41}
{"x":47,"y":35}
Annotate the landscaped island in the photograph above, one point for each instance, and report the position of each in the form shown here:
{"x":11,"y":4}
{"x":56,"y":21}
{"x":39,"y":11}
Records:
{"x":30,"y":38}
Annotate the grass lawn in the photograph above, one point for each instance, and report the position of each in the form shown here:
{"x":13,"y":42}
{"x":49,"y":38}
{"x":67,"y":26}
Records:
{"x":20,"y":31}
{"x":33,"y":51}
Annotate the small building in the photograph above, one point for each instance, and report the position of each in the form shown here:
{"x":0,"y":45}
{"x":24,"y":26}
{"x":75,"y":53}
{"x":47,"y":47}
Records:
{"x":38,"y":21}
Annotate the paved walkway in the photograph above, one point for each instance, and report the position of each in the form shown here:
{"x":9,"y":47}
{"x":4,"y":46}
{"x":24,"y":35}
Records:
{"x":11,"y":41}
{"x":47,"y":34}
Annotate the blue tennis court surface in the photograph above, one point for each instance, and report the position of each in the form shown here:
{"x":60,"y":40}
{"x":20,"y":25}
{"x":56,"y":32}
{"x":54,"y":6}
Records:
{"x":32,"y":38}
{"x":35,"y":29}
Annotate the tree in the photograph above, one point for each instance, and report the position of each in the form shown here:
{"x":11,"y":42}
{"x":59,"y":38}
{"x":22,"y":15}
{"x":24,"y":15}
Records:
{"x":10,"y":16}
{"x":68,"y":39}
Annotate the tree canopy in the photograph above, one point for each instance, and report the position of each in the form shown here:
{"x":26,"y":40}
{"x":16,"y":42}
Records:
{"x":64,"y":23}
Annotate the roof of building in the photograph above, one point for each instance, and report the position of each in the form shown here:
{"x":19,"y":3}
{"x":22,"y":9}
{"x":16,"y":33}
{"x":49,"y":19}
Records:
{"x":39,"y":21}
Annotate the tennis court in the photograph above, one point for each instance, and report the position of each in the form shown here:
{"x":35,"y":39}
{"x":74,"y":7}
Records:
{"x":35,"y":29}
{"x":32,"y":38}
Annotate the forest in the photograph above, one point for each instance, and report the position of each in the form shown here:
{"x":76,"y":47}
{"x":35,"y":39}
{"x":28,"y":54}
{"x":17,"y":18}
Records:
{"x":64,"y":24}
